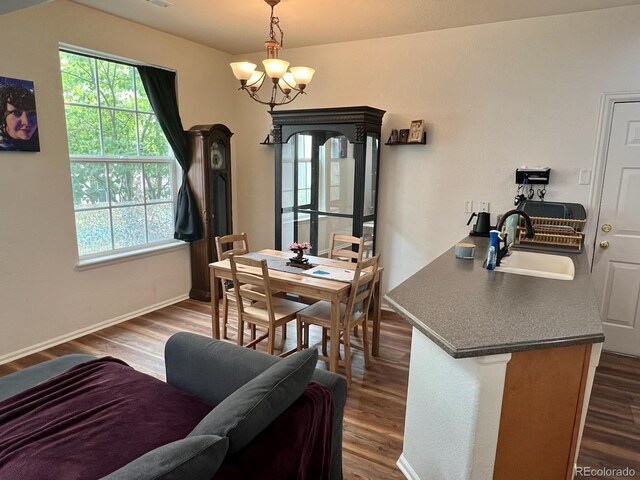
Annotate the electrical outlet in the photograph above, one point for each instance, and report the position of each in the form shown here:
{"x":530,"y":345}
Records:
{"x":468,"y":206}
{"x":483,"y":206}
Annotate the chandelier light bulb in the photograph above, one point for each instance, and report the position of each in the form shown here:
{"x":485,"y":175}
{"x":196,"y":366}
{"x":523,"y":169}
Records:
{"x":243,"y":70}
{"x":275,"y":67}
{"x":287,"y":83}
{"x":255,"y":81}
{"x":302,"y":75}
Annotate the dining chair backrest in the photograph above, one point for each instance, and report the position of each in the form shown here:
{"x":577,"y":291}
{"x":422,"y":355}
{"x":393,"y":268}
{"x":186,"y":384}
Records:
{"x":228,"y":245}
{"x":361,"y":289}
{"x":338,"y":249}
{"x":257,"y":277}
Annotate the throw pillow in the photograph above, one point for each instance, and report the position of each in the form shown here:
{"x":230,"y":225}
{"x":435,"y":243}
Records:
{"x":250,"y":409}
{"x":195,"y":458}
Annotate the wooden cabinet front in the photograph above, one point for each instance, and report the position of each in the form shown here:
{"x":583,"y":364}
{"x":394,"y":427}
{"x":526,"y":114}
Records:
{"x":542,"y":404}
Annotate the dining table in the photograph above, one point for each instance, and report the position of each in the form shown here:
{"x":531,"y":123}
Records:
{"x":291,"y":279}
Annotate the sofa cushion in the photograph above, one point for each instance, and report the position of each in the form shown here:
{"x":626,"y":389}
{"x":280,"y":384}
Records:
{"x":251,"y":408}
{"x":195,"y":458}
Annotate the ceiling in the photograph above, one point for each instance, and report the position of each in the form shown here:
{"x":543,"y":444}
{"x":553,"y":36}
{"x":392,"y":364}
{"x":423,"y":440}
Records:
{"x":242,"y":26}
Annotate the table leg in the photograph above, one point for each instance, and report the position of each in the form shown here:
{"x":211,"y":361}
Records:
{"x":334,"y":334}
{"x":377,"y":313}
{"x":215,"y":311}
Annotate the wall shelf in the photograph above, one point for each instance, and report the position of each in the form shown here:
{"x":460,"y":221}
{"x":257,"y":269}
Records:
{"x":422,"y":142}
{"x":267,"y":141}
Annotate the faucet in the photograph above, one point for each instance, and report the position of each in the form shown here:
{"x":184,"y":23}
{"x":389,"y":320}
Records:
{"x":504,"y":251}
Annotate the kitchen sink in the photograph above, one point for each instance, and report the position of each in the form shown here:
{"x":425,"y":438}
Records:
{"x":538,"y":265}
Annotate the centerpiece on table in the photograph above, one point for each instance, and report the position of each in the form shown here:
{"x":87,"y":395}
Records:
{"x":299,"y":248}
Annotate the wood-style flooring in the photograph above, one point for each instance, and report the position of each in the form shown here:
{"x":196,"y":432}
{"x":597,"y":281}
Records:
{"x":374,"y":414}
{"x":611,"y":438}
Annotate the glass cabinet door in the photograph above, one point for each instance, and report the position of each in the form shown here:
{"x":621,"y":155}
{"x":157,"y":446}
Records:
{"x":372,"y":156}
{"x":326,"y":175}
{"x":317,"y":189}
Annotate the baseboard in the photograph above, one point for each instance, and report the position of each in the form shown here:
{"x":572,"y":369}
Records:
{"x":406,"y":469}
{"x":87,"y":330}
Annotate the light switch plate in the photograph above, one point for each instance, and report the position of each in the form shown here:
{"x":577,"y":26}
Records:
{"x":483,"y":206}
{"x":468,"y":206}
{"x":585,"y":177}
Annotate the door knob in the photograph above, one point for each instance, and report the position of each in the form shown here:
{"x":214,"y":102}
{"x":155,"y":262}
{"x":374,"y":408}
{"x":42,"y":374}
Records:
{"x":606,"y":227}
{"x":604,"y":244}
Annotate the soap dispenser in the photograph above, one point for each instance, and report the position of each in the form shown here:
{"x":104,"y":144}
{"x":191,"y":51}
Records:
{"x":494,"y":246}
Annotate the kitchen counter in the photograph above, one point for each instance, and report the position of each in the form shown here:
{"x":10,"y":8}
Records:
{"x":501,"y":370}
{"x":469,"y":311}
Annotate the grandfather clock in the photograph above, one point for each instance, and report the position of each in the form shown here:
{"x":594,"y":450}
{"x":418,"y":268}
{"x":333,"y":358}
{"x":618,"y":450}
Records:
{"x":210,"y":179}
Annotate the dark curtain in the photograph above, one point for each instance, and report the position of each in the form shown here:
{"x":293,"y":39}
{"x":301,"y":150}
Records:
{"x":160,"y":86}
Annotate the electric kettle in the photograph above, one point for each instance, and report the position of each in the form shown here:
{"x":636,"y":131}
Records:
{"x":483,"y":224}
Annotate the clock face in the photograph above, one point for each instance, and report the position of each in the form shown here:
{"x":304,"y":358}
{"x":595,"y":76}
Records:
{"x":217,"y":155}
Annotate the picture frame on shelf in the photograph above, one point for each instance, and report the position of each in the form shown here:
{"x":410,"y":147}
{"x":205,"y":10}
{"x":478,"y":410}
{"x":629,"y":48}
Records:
{"x":393,"y":137}
{"x":403,"y":135}
{"x":416,"y":131}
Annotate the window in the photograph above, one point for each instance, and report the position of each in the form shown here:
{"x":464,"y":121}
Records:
{"x":122,"y":168}
{"x":304,"y":169}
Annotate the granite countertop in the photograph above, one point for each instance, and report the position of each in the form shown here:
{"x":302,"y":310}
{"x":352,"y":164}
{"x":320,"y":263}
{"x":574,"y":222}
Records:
{"x":470,"y":311}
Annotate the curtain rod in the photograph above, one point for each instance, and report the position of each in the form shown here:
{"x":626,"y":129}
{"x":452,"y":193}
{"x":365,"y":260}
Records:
{"x":85,"y":52}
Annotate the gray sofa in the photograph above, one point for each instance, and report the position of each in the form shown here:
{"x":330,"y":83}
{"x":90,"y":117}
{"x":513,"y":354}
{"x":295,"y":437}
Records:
{"x":209,"y":369}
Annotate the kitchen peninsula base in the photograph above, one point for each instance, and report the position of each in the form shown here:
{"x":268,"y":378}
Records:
{"x":501,"y":370}
{"x":514,"y":415}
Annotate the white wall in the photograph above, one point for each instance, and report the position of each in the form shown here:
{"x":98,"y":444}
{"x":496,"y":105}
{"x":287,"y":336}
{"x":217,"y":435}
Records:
{"x":494,"y":97}
{"x":42,"y":294}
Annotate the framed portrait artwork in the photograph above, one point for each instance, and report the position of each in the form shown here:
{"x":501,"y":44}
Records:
{"x":403,"y":135}
{"x":18,"y":117}
{"x":415,"y":132}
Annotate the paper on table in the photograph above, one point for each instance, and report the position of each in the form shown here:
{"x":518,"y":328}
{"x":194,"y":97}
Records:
{"x":330,"y":273}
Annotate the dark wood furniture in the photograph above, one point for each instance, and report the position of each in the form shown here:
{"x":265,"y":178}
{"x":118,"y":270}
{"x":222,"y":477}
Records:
{"x":327,"y":169}
{"x":210,"y":178}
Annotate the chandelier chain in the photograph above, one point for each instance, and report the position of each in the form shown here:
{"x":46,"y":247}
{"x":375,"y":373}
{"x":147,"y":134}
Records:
{"x":275,"y":22}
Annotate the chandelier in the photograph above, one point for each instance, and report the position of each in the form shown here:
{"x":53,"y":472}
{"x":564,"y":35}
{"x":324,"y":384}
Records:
{"x":286,"y":83}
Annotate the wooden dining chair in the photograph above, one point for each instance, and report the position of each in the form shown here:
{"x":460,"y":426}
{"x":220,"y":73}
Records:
{"x":227,"y":246}
{"x":256,"y":304}
{"x":354,"y":312}
{"x":341,"y":247}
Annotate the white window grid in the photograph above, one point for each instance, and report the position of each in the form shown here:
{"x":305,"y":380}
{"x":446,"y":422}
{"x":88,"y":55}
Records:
{"x":111,"y":159}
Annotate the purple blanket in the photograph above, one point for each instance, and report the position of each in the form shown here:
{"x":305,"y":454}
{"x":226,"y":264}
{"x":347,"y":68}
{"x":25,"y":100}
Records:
{"x":91,"y":420}
{"x":295,"y":446}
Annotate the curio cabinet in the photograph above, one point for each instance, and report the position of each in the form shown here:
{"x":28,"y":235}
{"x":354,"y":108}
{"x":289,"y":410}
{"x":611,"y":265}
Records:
{"x":326,"y":173}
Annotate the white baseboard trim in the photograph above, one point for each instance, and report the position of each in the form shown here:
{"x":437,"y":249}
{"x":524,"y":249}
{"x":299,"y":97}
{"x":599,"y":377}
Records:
{"x":85,"y":331}
{"x":406,"y":469}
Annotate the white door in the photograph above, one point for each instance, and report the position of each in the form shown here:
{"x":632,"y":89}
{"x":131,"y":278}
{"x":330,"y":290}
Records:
{"x":616,"y":265}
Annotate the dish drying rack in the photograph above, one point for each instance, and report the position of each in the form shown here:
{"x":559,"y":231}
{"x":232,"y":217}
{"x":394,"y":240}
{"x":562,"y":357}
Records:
{"x":565,"y":233}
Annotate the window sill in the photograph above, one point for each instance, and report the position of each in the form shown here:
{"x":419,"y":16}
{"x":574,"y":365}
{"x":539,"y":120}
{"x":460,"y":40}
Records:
{"x":96,"y":262}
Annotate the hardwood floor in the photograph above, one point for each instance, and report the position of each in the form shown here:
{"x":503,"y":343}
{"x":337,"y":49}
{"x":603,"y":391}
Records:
{"x":374,"y":415}
{"x":611,"y":438}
